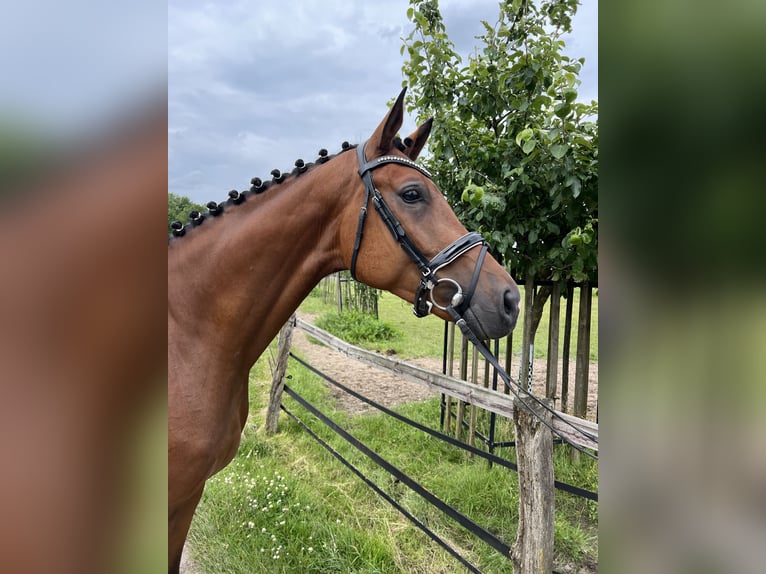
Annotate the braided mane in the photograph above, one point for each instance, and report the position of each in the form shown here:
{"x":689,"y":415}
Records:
{"x":257,"y":187}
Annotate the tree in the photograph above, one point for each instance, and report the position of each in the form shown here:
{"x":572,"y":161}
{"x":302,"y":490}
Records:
{"x":512,"y":149}
{"x":179,"y":207}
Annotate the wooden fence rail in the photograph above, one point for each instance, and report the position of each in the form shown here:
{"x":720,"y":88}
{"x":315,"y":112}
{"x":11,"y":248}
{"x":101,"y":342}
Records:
{"x":485,"y":398}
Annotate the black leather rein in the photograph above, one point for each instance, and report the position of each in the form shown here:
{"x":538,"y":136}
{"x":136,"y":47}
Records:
{"x":424,"y":301}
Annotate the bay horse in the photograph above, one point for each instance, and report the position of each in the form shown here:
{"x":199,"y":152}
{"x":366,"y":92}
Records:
{"x":82,"y":342}
{"x":237,"y":273}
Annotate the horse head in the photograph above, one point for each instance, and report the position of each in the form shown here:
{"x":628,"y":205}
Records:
{"x":415,"y":247}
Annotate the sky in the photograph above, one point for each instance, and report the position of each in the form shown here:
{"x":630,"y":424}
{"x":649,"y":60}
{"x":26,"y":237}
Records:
{"x":70,"y":67}
{"x":254,"y":85}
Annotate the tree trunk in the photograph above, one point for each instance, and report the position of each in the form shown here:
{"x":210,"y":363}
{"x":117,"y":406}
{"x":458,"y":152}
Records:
{"x":543,"y":292}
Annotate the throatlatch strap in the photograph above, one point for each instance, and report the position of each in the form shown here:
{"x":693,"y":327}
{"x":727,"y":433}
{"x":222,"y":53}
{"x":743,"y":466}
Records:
{"x":359,"y":232}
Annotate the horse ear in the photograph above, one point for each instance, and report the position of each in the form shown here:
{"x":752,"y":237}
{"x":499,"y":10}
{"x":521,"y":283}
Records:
{"x":417,"y":139}
{"x":382,"y":139}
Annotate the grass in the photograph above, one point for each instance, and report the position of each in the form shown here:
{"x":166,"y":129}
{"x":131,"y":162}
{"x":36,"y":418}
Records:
{"x":430,"y":330}
{"x":285,"y":505}
{"x":143,"y":540}
{"x":357,"y":327}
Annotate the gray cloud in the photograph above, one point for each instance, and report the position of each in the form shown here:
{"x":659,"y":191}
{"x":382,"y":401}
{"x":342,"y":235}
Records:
{"x":254,"y":85}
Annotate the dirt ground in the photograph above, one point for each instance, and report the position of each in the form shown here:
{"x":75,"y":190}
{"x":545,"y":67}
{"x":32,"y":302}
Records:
{"x":391,"y":391}
{"x":187,"y":564}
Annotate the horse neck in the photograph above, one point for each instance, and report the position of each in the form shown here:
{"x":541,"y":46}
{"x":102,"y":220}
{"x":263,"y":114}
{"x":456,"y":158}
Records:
{"x":236,"y":280}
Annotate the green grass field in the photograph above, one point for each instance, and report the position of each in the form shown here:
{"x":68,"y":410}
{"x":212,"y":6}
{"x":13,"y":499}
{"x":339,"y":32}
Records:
{"x":285,"y":505}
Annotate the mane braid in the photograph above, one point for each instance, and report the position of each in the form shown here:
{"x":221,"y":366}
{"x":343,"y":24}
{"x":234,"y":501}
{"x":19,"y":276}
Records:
{"x":258,"y":186}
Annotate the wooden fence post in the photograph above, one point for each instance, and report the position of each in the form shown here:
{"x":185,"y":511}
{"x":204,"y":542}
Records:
{"x":552,"y":372}
{"x":473,"y":411}
{"x":527,"y":340}
{"x":532,"y":553}
{"x":278,"y":377}
{"x":583,"y":352}
{"x":565,"y":350}
{"x":464,"y":376}
{"x":508,"y":359}
{"x":446,"y":429}
{"x":339,"y":293}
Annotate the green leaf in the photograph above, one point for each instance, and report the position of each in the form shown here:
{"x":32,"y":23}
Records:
{"x":559,"y":150}
{"x":553,"y":228}
{"x":476,"y":196}
{"x":524,"y":135}
{"x":570,"y":95}
{"x":562,"y":110}
{"x":529,"y":145}
{"x":576,"y":188}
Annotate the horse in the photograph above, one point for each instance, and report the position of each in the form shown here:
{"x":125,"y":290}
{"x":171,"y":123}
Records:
{"x":237,"y":273}
{"x":82,"y":342}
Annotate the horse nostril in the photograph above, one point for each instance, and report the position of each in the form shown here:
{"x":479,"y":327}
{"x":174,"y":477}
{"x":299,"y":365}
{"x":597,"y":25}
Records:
{"x":511,"y":302}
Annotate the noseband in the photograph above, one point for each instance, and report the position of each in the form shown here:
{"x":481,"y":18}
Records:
{"x":424,"y":299}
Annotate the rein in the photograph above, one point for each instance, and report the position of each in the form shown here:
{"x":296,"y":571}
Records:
{"x":424,"y":299}
{"x":520,"y":394}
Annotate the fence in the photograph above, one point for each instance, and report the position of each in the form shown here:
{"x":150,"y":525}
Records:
{"x":341,"y":289}
{"x":467,"y":365}
{"x":534,"y":543}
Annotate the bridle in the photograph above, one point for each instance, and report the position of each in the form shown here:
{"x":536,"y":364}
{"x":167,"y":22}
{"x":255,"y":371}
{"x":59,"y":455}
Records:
{"x":424,"y":299}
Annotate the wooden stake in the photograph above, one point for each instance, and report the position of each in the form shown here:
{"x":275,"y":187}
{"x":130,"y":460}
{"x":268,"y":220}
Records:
{"x":552,"y":373}
{"x":583,"y":352}
{"x":278,"y":377}
{"x":532,"y":553}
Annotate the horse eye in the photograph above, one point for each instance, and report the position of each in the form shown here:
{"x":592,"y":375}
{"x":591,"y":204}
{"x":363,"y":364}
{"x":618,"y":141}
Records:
{"x":411,"y":195}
